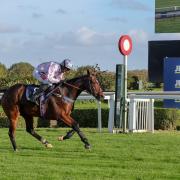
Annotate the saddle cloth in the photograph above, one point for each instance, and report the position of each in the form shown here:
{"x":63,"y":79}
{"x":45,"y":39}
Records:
{"x":40,"y":101}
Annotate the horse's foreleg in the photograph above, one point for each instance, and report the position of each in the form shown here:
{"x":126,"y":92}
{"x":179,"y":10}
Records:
{"x":76,"y":128}
{"x":30,"y":130}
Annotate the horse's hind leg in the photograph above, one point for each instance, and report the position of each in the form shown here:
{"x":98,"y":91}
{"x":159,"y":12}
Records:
{"x":11,"y":133}
{"x":68,"y":135}
{"x":30,"y":130}
{"x":13,"y":117}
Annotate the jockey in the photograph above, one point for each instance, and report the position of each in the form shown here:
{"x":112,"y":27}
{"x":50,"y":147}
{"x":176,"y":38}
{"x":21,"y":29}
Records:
{"x":49,"y":73}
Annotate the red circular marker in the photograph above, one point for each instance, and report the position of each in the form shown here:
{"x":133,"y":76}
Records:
{"x":125,"y":45}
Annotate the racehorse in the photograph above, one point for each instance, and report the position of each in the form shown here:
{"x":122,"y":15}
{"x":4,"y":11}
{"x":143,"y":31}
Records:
{"x":58,"y":106}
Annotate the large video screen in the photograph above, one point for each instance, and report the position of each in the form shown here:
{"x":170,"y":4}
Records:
{"x":157,"y":51}
{"x":167,"y":16}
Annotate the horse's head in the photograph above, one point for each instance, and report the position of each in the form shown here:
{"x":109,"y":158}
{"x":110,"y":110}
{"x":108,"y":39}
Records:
{"x":93,"y":86}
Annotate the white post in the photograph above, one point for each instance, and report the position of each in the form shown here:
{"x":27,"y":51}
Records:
{"x":99,"y":117}
{"x":125,"y":93}
{"x":132,"y":115}
{"x":151,"y":112}
{"x":111,"y":114}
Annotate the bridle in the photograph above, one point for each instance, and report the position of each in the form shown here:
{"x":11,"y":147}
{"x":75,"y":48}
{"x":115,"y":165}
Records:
{"x":91,"y":87}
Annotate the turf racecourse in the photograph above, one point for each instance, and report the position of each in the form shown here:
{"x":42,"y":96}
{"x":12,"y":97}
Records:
{"x":113,"y":156}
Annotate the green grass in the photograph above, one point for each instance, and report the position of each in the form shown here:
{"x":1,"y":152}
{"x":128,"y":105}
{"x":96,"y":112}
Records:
{"x":168,"y":25}
{"x":166,"y":3}
{"x":91,"y":104}
{"x":113,"y":156}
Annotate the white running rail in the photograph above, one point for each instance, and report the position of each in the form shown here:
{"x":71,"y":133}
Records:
{"x":110,"y":97}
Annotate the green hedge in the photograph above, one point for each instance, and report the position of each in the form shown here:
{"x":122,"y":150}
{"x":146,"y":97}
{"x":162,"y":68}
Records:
{"x":163,"y":119}
{"x":85,"y":118}
{"x":166,"y":119}
{"x":4,"y":122}
{"x":89,"y":117}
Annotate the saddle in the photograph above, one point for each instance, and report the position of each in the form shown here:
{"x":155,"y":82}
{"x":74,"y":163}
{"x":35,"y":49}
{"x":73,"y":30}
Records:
{"x":30,"y":91}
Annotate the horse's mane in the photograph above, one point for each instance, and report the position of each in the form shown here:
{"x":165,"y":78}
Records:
{"x":76,"y":78}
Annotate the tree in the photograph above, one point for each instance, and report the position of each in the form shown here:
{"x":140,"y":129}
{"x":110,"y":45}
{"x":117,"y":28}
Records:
{"x":83,"y":70}
{"x":70,"y":74}
{"x":21,"y":70}
{"x":21,"y":73}
{"x":133,"y":82}
{"x":134,"y":76}
{"x":106,"y":79}
{"x":3,"y":71}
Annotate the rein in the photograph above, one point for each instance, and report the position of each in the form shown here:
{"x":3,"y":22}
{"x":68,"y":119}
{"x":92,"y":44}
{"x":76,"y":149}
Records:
{"x":58,"y":87}
{"x":72,"y":86}
{"x":65,"y":98}
{"x":90,"y":87}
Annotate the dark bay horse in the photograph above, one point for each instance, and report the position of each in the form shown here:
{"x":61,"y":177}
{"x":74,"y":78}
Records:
{"x":58,"y":106}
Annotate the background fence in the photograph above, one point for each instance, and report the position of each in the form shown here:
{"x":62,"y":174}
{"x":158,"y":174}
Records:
{"x":167,"y":12}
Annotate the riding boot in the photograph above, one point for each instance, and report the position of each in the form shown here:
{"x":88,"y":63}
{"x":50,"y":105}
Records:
{"x":40,"y":91}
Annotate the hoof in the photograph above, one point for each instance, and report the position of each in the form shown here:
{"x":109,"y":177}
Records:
{"x":60,"y":138}
{"x":16,"y":150}
{"x":87,"y":146}
{"x":49,"y":145}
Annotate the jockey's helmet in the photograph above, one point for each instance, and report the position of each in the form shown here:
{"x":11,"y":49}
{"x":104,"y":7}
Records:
{"x":67,"y":64}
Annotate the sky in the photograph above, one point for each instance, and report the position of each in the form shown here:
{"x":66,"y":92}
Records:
{"x":87,"y":32}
